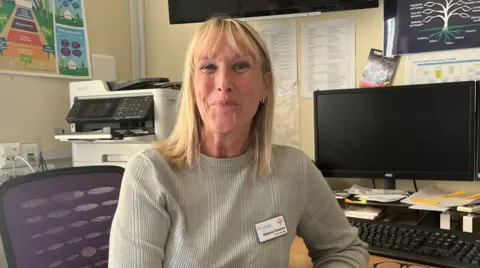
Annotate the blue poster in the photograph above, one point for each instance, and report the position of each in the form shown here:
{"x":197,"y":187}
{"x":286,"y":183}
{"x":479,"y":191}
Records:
{"x":71,"y":52}
{"x":413,"y":26}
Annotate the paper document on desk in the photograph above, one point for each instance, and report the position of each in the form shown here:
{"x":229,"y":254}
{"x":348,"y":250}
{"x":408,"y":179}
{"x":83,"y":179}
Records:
{"x":384,"y":198}
{"x":433,"y":196}
{"x":377,"y":195}
{"x":429,"y":208}
{"x":363,"y":212}
{"x":359,"y":190}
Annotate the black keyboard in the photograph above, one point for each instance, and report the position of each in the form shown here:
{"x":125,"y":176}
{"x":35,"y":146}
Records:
{"x":429,"y":246}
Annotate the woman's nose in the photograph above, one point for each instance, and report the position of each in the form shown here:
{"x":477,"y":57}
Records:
{"x":224,"y":81}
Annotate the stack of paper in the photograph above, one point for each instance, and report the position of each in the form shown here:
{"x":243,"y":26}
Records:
{"x":363,"y":212}
{"x":377,"y":195}
{"x":435,"y":199}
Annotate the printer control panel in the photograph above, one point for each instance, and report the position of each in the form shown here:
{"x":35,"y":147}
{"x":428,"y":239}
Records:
{"x":110,"y":109}
{"x":133,"y":107}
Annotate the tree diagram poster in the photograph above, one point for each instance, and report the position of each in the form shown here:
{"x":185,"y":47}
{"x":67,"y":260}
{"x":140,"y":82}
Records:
{"x":44,"y":38}
{"x":434,"y":25}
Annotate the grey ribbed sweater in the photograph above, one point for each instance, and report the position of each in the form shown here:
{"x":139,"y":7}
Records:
{"x":204,"y":216}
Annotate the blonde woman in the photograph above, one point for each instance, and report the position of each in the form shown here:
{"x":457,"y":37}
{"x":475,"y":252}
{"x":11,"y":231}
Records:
{"x":217,"y":193}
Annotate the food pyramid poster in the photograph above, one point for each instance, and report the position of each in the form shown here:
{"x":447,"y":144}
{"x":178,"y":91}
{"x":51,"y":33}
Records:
{"x":44,"y":38}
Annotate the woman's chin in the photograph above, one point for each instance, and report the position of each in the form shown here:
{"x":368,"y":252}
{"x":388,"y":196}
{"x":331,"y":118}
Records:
{"x":226,"y":128}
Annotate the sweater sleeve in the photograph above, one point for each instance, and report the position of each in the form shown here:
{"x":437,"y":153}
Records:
{"x":331,"y":241}
{"x":141,"y":223}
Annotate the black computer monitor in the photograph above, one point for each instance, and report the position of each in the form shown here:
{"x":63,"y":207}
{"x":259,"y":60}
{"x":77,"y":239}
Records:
{"x":477,"y":175}
{"x":399,"y":132}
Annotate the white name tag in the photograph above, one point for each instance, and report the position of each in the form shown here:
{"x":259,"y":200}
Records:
{"x":272,"y":228}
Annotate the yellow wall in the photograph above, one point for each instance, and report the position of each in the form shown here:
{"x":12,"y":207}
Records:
{"x":166,"y":45}
{"x":44,"y":102}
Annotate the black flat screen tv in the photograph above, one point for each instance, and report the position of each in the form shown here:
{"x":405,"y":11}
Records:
{"x":189,"y":11}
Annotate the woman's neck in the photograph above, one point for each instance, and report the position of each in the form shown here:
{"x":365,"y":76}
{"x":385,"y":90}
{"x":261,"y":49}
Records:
{"x":224,"y":145}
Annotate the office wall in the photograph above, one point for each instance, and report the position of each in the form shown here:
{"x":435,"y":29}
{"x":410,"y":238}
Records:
{"x":166,"y":46}
{"x":44,"y":102}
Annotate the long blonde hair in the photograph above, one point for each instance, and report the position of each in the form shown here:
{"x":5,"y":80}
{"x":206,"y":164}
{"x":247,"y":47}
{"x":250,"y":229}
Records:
{"x":183,"y":145}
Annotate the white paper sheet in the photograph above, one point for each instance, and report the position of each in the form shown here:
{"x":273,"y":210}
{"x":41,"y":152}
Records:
{"x":281,"y":40}
{"x":328,"y":55}
{"x":444,"y":66}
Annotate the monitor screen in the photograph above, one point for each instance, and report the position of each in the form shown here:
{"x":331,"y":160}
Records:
{"x":186,"y":11}
{"x":409,"y":132}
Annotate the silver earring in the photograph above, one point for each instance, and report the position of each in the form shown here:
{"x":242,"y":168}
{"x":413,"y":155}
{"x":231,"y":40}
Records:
{"x":262,"y":100}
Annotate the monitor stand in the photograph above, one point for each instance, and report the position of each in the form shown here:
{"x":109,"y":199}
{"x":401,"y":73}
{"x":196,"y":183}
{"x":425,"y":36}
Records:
{"x":389,"y":184}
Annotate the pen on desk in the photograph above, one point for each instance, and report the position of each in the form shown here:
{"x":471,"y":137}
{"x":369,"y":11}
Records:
{"x":475,"y":196}
{"x":453,"y":194}
{"x":419,"y":200}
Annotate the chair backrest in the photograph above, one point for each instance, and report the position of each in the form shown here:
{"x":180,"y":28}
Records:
{"x":59,"y":218}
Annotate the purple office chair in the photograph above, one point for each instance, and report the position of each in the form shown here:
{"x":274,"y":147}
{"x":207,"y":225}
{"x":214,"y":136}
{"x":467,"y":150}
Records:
{"x":59,"y":218}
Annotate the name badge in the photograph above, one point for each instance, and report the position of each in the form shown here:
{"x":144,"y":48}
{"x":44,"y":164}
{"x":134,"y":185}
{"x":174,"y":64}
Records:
{"x":270,"y":229}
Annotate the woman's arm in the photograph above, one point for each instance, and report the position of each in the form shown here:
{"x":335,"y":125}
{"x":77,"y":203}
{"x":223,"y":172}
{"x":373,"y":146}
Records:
{"x":141,"y":224}
{"x":329,"y":237}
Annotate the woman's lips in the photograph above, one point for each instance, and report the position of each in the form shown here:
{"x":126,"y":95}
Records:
{"x":224,"y":103}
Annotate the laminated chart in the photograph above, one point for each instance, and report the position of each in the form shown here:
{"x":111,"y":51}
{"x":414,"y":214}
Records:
{"x":34,"y":34}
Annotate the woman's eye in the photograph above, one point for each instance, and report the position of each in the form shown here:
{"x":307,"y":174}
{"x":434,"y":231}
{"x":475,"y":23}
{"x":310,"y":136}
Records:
{"x":241,"y":66}
{"x":209,"y":67}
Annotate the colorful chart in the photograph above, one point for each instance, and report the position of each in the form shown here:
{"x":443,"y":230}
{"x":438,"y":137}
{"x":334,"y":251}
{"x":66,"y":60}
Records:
{"x":34,"y":36}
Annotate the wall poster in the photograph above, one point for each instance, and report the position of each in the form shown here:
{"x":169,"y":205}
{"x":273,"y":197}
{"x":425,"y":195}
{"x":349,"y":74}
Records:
{"x":413,"y":26}
{"x":44,"y":38}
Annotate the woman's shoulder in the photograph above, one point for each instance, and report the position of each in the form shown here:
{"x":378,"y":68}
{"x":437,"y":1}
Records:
{"x":287,"y":151}
{"x":288,"y":154}
{"x":151,"y":167}
{"x":151,"y":157}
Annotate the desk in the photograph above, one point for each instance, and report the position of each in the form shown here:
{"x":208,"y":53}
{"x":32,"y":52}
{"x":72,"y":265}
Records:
{"x":299,"y":257}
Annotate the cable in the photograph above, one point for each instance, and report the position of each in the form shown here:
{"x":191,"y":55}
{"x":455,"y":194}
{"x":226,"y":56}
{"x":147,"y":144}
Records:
{"x":374,"y":186}
{"x":26,"y":162}
{"x":415,"y":185}
{"x":14,"y":169}
{"x":42,"y":164}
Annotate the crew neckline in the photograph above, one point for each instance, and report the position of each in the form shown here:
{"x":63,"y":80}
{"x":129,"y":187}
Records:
{"x":240,"y":160}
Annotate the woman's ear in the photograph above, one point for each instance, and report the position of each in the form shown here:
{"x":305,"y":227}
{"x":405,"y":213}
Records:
{"x":268,"y":78}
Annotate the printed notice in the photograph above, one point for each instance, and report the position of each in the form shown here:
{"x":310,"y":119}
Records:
{"x":281,"y":40}
{"x":328,"y":55}
{"x":445,"y":66}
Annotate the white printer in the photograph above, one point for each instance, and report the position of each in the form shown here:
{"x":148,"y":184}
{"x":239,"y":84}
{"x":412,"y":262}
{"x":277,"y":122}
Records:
{"x":111,"y":121}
